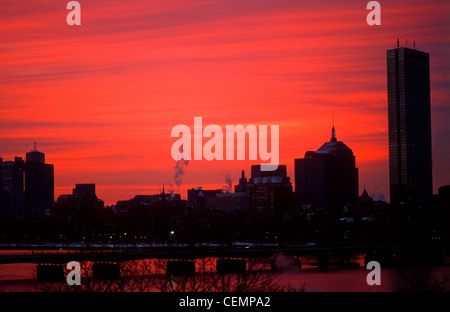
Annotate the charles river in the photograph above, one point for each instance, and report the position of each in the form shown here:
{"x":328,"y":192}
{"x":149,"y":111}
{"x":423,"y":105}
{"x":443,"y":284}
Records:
{"x":278,"y":272}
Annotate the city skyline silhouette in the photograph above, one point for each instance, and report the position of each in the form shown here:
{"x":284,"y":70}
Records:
{"x":242,"y":150}
{"x":100,"y":99}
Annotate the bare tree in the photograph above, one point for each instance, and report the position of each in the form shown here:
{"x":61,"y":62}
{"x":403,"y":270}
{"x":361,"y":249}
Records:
{"x":150,"y":275}
{"x":255,"y":279}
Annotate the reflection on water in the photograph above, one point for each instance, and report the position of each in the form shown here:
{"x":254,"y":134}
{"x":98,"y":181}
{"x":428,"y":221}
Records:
{"x":150,"y":275}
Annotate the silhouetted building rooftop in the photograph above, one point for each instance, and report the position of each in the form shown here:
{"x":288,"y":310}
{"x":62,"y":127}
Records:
{"x":327,"y":177}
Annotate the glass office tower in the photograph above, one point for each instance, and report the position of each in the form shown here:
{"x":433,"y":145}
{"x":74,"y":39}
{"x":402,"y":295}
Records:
{"x":410,"y":160}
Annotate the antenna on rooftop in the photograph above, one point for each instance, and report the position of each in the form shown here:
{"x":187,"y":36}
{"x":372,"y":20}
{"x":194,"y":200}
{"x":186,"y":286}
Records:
{"x":332,"y":116}
{"x":333,"y":131}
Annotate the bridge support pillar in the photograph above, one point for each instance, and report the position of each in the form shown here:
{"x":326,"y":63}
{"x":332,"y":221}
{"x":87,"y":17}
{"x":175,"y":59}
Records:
{"x":323,"y":261}
{"x":180,"y":267}
{"x":50,"y":272}
{"x":106,"y":270}
{"x":230,"y":266}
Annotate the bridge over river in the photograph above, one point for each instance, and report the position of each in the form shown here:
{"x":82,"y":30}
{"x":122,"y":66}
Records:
{"x":432,"y":254}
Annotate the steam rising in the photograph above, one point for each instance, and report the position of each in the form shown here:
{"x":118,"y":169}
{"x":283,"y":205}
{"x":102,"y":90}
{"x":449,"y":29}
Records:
{"x":229,"y":184}
{"x":285,"y":263}
{"x":180,"y":169}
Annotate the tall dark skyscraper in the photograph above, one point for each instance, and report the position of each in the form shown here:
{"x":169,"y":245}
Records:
{"x":327,"y":177}
{"x":39,"y":185}
{"x":12,"y":187}
{"x":26,"y":188}
{"x":410,"y":164}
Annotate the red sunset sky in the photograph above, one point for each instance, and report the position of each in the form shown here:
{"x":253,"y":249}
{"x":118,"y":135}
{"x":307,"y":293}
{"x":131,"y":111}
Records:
{"x":101,"y":99}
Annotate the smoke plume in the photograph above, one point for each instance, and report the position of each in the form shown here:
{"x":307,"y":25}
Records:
{"x":180,"y":169}
{"x":377,"y":195}
{"x":229,"y":184}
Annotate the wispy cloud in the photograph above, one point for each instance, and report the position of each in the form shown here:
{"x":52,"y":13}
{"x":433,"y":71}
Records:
{"x":134,"y":69}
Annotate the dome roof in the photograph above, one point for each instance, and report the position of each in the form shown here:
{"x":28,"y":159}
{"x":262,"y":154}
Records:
{"x":335,"y":147}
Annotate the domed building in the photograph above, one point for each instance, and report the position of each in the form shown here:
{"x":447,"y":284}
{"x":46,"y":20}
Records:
{"x":327,"y":178}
